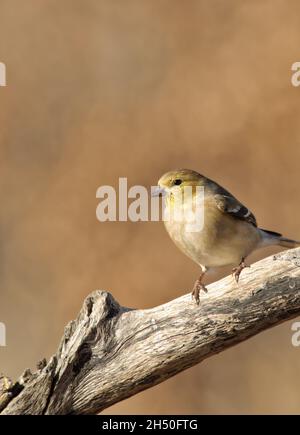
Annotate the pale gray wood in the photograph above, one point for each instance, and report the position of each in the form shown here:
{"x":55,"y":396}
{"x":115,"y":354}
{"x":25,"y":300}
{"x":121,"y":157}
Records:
{"x":110,"y":352}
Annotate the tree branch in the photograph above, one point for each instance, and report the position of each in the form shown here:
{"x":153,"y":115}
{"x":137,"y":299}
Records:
{"x":110,"y":352}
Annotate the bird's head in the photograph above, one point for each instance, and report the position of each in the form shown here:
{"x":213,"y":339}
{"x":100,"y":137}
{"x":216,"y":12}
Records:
{"x":174,"y":182}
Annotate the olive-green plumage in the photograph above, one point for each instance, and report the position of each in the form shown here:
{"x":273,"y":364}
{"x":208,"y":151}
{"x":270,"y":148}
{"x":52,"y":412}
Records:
{"x":229,"y":233}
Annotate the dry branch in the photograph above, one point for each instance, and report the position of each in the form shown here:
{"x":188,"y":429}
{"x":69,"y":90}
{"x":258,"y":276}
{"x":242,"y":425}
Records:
{"x":110,"y":352}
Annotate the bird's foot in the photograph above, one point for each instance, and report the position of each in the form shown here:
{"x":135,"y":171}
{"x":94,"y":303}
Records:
{"x":236,"y":271}
{"x":198,"y":286}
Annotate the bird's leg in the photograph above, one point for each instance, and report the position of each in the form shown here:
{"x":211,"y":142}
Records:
{"x":198,"y":286}
{"x":236,"y":271}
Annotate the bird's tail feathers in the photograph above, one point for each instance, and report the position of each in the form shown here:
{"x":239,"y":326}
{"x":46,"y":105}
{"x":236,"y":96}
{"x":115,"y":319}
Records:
{"x":288,"y":243}
{"x":272,"y":238}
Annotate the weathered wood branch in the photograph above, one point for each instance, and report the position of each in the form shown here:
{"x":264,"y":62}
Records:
{"x":110,"y":353}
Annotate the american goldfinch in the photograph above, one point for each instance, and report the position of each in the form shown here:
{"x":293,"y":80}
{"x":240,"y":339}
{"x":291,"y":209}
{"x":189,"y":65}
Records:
{"x":229,"y":232}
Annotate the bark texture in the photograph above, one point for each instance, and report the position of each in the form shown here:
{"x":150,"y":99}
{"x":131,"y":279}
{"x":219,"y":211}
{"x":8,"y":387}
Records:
{"x":110,"y":352}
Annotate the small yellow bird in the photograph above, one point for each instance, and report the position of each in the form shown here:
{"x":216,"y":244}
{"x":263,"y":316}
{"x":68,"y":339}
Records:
{"x":228,"y":233}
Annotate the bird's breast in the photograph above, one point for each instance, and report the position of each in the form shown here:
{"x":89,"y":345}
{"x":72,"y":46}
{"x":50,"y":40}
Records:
{"x":220,"y":240}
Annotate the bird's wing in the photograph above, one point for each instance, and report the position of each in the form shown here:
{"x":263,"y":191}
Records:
{"x":230,"y":205}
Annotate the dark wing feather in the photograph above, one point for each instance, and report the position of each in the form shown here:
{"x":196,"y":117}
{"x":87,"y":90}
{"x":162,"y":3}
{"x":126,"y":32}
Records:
{"x":230,"y":205}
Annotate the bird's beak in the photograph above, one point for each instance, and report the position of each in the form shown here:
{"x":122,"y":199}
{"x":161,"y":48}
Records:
{"x":157,"y":191}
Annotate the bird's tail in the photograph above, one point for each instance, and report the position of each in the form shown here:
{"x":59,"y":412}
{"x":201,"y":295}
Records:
{"x":272,"y":238}
{"x":288,"y":243}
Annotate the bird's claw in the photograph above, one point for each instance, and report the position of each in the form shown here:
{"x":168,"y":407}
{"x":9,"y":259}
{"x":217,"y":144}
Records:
{"x":236,"y":271}
{"x":198,"y":286}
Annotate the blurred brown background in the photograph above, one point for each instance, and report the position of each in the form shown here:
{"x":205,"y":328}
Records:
{"x":100,"y":89}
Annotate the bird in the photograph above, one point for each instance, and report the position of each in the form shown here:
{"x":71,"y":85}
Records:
{"x":229,"y":230}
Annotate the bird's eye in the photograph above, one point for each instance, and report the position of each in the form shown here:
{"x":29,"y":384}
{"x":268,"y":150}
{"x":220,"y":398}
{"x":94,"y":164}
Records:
{"x":177,"y":182}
